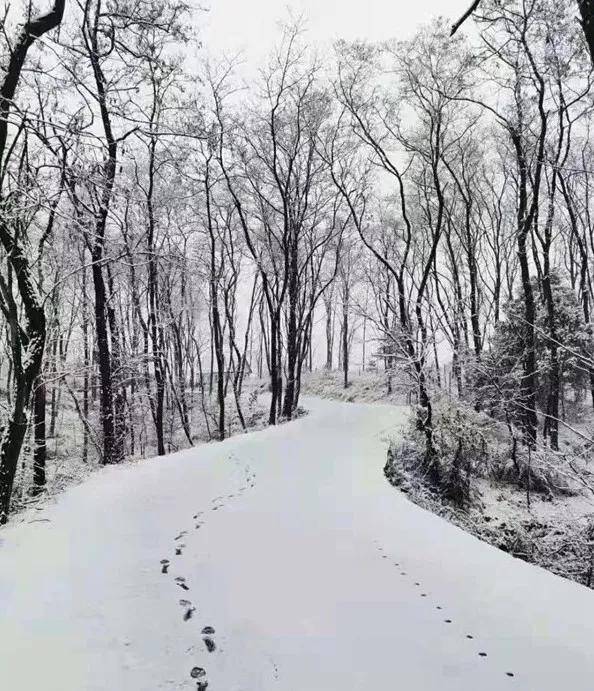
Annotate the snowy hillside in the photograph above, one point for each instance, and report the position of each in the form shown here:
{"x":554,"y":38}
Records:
{"x":276,"y":560}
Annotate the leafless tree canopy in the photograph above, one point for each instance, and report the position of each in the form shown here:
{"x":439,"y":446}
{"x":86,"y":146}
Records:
{"x":174,"y":241}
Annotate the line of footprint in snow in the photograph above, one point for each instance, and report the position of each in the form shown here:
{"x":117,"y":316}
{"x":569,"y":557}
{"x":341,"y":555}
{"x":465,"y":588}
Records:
{"x":199,"y":673}
{"x":469,"y":636}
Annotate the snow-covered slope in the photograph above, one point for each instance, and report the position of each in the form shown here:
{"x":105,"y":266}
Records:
{"x":314,"y":573}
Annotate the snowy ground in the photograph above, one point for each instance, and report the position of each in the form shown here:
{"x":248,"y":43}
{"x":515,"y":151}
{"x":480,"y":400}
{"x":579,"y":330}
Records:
{"x":314,"y":573}
{"x":553,"y":530}
{"x":66,"y":467}
{"x":373,"y":386}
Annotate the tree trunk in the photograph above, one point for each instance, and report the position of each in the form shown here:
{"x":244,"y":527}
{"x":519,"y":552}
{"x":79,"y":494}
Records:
{"x":292,"y":345}
{"x":40,"y":451}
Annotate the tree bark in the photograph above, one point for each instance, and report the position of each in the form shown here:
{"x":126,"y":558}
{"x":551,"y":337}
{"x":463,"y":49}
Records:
{"x":28,"y":338}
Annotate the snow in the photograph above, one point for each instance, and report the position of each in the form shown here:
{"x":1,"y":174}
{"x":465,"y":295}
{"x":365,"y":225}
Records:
{"x":508,"y":503}
{"x":293,"y":565}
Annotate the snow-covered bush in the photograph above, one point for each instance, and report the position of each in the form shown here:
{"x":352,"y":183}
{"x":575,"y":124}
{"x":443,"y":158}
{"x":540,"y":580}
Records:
{"x":470,"y":445}
{"x":464,"y":442}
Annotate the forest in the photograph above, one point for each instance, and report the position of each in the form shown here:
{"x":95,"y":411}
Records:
{"x":180,"y":248}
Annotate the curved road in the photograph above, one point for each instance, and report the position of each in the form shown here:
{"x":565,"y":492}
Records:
{"x":280,"y":560}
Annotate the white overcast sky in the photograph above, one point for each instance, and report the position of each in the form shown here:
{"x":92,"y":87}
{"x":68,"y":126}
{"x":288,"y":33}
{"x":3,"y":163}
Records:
{"x":233,"y":26}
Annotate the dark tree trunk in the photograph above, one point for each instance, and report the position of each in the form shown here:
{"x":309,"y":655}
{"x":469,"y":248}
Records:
{"x":217,"y":333}
{"x":552,"y":421}
{"x":586,"y":8}
{"x":28,"y":338}
{"x":275,"y":378}
{"x":525,"y":216}
{"x":529,"y":382}
{"x":103,"y":359}
{"x":345,"y":336}
{"x":53,"y":371}
{"x":156,"y":329}
{"x":87,"y":364}
{"x":40,"y":451}
{"x":27,"y":345}
{"x":292,"y":336}
{"x":329,"y":334}
{"x":117,"y":364}
{"x":97,"y":251}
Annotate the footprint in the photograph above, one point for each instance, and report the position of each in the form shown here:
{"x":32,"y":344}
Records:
{"x":181,"y":581}
{"x":200,"y":674}
{"x":510,"y":674}
{"x":207,"y":632}
{"x":164,"y":565}
{"x":448,"y":621}
{"x":190,"y":609}
{"x":178,"y":550}
{"x":469,"y":636}
{"x":482,"y":654}
{"x":179,"y":537}
{"x":210,"y":644}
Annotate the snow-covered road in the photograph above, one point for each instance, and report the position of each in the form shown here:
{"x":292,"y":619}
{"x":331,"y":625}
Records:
{"x":314,"y":573}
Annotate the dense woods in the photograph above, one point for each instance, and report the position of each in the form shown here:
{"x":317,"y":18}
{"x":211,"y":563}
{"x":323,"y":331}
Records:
{"x":171,"y":237}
